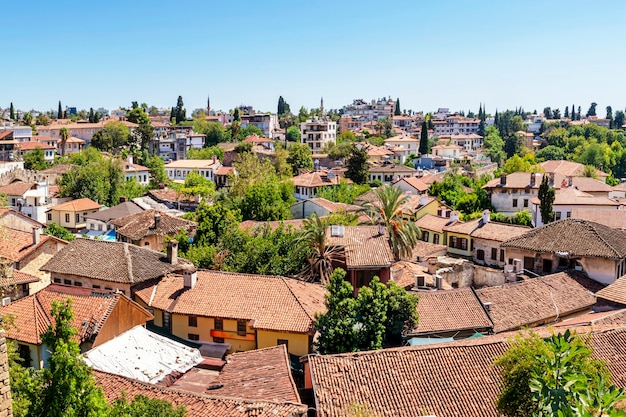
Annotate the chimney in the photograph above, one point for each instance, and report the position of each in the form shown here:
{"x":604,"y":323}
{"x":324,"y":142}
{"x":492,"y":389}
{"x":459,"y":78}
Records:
{"x":129,"y":159}
{"x":486,"y":216}
{"x":570,"y":181}
{"x":454,"y":216}
{"x":487,"y":306}
{"x":533,"y":179}
{"x":432,"y":265}
{"x":123,"y":199}
{"x":442,"y":209}
{"x":157,"y":220}
{"x":551,"y":179}
{"x":503,"y":179}
{"x":190,"y":277}
{"x":438,"y":282}
{"x":423,"y":200}
{"x":214,"y":159}
{"x":172,"y":252}
{"x":36,"y":235}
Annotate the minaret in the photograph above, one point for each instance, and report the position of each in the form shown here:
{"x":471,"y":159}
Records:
{"x":208,"y":105}
{"x":322,"y":107}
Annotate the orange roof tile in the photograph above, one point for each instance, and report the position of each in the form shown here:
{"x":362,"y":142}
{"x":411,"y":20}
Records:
{"x":17,"y":188}
{"x":30,"y":146}
{"x":81,"y":204}
{"x":363,"y":246}
{"x":151,"y":223}
{"x":15,"y":245}
{"x":499,"y":232}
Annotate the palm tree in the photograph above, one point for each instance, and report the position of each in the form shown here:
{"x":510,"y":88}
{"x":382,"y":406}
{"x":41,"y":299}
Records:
{"x":65,"y":135}
{"x":387,"y":210}
{"x":314,"y":239}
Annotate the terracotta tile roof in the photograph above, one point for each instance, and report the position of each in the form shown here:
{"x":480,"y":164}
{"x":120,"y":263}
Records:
{"x":394,"y":168}
{"x":331,"y":206}
{"x":134,"y":167}
{"x":17,"y":188}
{"x":595,"y":318}
{"x":414,"y":182}
{"x":615,"y":219}
{"x":170,"y":195}
{"x":591,"y":185}
{"x":574,"y":236}
{"x":270,"y":302}
{"x":73,"y":139}
{"x":6,"y":210}
{"x":197,"y":405}
{"x":41,"y":138}
{"x":463,"y":228}
{"x":572,"y":196}
{"x":429,"y":179}
{"x":450,"y":311}
{"x":615,"y":292}
{"x":32,"y":314}
{"x":193,"y":164}
{"x":57,"y":169}
{"x":151,"y":223}
{"x":17,"y":277}
{"x":535,"y":301}
{"x":566,"y":168}
{"x":446,"y":379}
{"x":316,"y":179}
{"x":363,"y":246}
{"x":425,"y":250}
{"x":499,"y":232}
{"x":81,"y":204}
{"x":112,"y":262}
{"x":620,"y":187}
{"x":31,"y":146}
{"x":258,"y":375}
{"x":224,"y":170}
{"x":433,"y":223}
{"x":403,"y":273}
{"x":257,"y":139}
{"x":15,"y":245}
{"x":115,"y":212}
{"x":517,"y":180}
{"x":378,"y":151}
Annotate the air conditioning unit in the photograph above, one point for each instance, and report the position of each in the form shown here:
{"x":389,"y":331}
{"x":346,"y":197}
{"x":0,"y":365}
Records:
{"x":420,"y":281}
{"x":438,"y":282}
{"x":518,"y":266}
{"x":6,"y":301}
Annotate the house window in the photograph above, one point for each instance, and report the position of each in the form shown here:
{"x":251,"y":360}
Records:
{"x":436,"y":239}
{"x":166,"y":319}
{"x":453,"y":240}
{"x":283,"y":342}
{"x":49,"y":216}
{"x":77,"y":217}
{"x":501,"y":255}
{"x":193,"y":321}
{"x":515,"y":202}
{"x":569,"y":214}
{"x":480,"y":255}
{"x":218,"y":324}
{"x":192,"y":336}
{"x":218,"y":339}
{"x":57,"y":280}
{"x":241,"y":327}
{"x":494,"y":253}
{"x":425,"y":236}
{"x":463,"y":243}
{"x":557,"y":215}
{"x":67,"y":281}
{"x":67,"y":217}
{"x":96,"y":287}
{"x":78,"y":284}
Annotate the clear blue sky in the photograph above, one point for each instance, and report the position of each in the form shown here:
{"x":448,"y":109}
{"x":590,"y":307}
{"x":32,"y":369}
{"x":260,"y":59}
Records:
{"x":430,"y":54}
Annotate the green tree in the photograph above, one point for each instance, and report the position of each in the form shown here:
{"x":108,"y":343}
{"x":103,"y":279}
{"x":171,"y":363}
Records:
{"x":12,"y":112}
{"x":300,"y":157}
{"x":236,"y":116}
{"x":60,"y":111}
{"x":113,"y":136}
{"x":546,"y":199}
{"x":357,"y":167}
{"x":180,"y":114}
{"x":566,"y":113}
{"x":397,"y":111}
{"x":158,"y":175}
{"x":423,"y":150}
{"x":206,"y":153}
{"x":65,"y":135}
{"x":618,"y":121}
{"x":314,"y":240}
{"x":494,"y":145}
{"x":28,"y":119}
{"x":344,"y":192}
{"x":142,"y":406}
{"x":69,"y":388}
{"x":387,"y":209}
{"x":197,"y":185}
{"x":214,"y":131}
{"x":281,"y":106}
{"x":609,"y":115}
{"x":592,"y":109}
{"x":518,"y":164}
{"x":292,"y":134}
{"x":35,"y":160}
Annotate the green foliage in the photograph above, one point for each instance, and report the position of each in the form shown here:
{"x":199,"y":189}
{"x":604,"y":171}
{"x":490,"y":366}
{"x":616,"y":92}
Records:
{"x":195,"y":184}
{"x":518,"y":164}
{"x":452,"y":191}
{"x":214,"y":131}
{"x":114,"y":135}
{"x":521,"y":218}
{"x":179,"y":114}
{"x":244,"y":147}
{"x":387,"y":209}
{"x":142,"y":406}
{"x":546,"y":199}
{"x":338,"y":151}
{"x":158,"y":175}
{"x":300,"y":157}
{"x":313,"y":240}
{"x":494,"y":145}
{"x":292,"y":134}
{"x":397,"y":111}
{"x":12,"y":111}
{"x":357,"y":167}
{"x":206,"y":153}
{"x":35,"y":160}
{"x":550,"y":153}
{"x":363,"y":323}
{"x":344,"y":192}
{"x":61,"y":232}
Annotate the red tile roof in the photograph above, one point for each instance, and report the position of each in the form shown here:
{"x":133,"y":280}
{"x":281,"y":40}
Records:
{"x":450,"y":311}
{"x":17,"y":188}
{"x":499,"y":232}
{"x":15,"y":245}
{"x":151,"y":223}
{"x":316,"y":179}
{"x":30,"y":146}
{"x":17,"y":277}
{"x":566,"y":168}
{"x":269,"y":302}
{"x":414,"y":182}
{"x":535,"y":301}
{"x":615,"y":292}
{"x":81,"y":204}
{"x":433,"y":223}
{"x":197,"y":405}
{"x":611,"y":218}
{"x":32,"y":314}
{"x":363,"y":246}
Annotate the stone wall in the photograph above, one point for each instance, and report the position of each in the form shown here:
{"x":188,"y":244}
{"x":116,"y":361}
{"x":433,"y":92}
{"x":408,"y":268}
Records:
{"x":5,"y":389}
{"x":487,"y":277}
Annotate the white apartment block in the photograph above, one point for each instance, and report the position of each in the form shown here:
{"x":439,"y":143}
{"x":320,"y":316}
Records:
{"x":267,"y":122}
{"x":456,"y":125}
{"x":317,"y":133}
{"x":374,"y":110}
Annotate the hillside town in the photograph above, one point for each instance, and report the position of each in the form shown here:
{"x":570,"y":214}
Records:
{"x":363,"y":261}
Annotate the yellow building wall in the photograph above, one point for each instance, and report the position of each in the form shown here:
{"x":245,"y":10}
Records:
{"x":430,"y":208}
{"x":460,"y":252}
{"x":298,"y":343}
{"x":181,"y":328}
{"x":58,"y":216}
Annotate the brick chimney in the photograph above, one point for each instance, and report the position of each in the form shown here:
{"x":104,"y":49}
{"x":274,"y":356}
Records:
{"x":36,"y":235}
{"x":432,"y":266}
{"x":190,"y":277}
{"x":551,"y":183}
{"x":486,"y":216}
{"x":172,"y":252}
{"x":533,"y":179}
{"x":157,"y":220}
{"x":503,"y":179}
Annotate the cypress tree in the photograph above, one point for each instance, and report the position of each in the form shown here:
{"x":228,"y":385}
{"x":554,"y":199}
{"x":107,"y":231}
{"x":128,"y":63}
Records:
{"x":397,"y":111}
{"x":281,"y":105}
{"x":546,"y":200}
{"x":92,"y":117}
{"x":12,"y":112}
{"x":566,"y":114}
{"x":423,"y":150}
{"x":181,"y":114}
{"x":60,"y":111}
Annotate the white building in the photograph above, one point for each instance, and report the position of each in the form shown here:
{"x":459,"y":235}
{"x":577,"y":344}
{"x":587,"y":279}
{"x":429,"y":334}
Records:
{"x":267,"y":122}
{"x":402,"y":146}
{"x":373,"y":110}
{"x":48,"y":150}
{"x":317,"y":133}
{"x":136,"y":172}
{"x":178,"y":170}
{"x":455,"y":125}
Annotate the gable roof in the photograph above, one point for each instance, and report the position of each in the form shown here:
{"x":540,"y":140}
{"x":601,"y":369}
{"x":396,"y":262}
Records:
{"x":535,"y":301}
{"x":414,"y":182}
{"x":317,"y":179}
{"x":151,"y":223}
{"x":81,"y":204}
{"x":615,"y":292}
{"x":363,"y":246}
{"x":433,"y":223}
{"x":446,"y":379}
{"x":269,"y":302}
{"x":572,"y":196}
{"x":33,"y":313}
{"x":111,"y":261}
{"x":16,"y":277}
{"x":575,"y":237}
{"x":499,"y":232}
{"x":15,"y":245}
{"x":450,"y":311}
{"x":615,"y":219}
{"x":197,"y":405}
{"x":115,"y":212}
{"x":17,"y":188}
{"x":31,"y":146}
{"x":567,"y":168}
